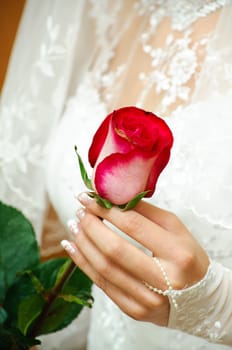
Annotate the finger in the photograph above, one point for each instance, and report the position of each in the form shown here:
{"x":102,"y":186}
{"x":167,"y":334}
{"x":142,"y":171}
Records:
{"x":139,"y":310}
{"x":152,"y":236}
{"x":120,"y":251}
{"x":110,"y":271}
{"x":161,"y":217}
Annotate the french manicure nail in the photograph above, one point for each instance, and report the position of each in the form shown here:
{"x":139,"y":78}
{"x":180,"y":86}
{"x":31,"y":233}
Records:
{"x":68,"y":247}
{"x":80,"y":213}
{"x":84,"y":198}
{"x":72,"y":225}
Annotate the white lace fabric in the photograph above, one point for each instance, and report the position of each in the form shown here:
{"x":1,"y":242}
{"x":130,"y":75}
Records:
{"x":82,"y":67}
{"x":31,"y":102}
{"x":204,"y":310}
{"x":168,"y":45}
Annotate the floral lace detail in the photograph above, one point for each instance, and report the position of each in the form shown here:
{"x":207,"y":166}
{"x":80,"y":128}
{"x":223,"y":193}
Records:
{"x":51,"y":50}
{"x":174,"y":67}
{"x":183,"y":13}
{"x":105,"y":15}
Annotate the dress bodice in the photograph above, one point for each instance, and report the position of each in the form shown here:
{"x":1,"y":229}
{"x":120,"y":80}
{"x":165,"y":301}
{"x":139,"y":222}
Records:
{"x":192,"y":184}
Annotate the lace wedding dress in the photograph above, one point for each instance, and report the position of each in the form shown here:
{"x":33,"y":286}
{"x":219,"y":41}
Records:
{"x":173,"y":58}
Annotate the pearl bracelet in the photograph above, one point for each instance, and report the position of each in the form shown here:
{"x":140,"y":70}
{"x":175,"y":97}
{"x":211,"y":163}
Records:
{"x":169,"y":290}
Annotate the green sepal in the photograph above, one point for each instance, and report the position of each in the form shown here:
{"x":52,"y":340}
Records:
{"x":83,"y":171}
{"x":133,"y":202}
{"x":103,"y":202}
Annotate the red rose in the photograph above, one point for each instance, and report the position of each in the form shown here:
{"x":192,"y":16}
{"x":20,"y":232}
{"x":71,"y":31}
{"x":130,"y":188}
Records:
{"x":128,"y":153}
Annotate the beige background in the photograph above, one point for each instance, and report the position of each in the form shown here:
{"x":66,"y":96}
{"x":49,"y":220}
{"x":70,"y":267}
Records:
{"x":10,"y":13}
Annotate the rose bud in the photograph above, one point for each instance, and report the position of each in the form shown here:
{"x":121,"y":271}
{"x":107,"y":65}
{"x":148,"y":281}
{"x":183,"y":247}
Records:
{"x":128,"y":152}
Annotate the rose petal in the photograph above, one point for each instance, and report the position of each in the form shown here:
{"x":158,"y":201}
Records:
{"x":140,"y":129}
{"x":120,"y":177}
{"x":159,"y":164}
{"x":99,"y":140}
{"x":128,"y":152}
{"x":132,"y":128}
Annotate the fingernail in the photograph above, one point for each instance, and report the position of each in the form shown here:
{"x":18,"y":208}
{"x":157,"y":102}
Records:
{"x":80,"y":213}
{"x":68,"y":247}
{"x":72,"y":225}
{"x":84,"y":198}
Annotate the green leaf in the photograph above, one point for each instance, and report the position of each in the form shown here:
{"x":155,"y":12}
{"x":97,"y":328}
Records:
{"x":79,"y":284}
{"x":28,"y":311}
{"x":24,"y":288}
{"x":62,"y":270}
{"x":18,"y":292}
{"x":61,"y":312}
{"x":134,"y":201}
{"x":18,"y":246}
{"x":39,"y":288}
{"x":13,"y":339}
{"x":3,"y":315}
{"x":48,"y":271}
{"x":74,"y":299}
{"x":83,"y":171}
{"x":3,"y":286}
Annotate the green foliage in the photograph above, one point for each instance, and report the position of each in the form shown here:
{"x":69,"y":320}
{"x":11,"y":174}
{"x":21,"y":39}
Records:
{"x":35,"y":298}
{"x":84,"y":174}
{"x":18,"y":247}
{"x":3,"y":315}
{"x":28,"y":311}
{"x":13,"y":339}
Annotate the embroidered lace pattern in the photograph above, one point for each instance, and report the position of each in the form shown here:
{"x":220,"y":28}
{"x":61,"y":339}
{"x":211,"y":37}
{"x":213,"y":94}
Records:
{"x":172,"y":66}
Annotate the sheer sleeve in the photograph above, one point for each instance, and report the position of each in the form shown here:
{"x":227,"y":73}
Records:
{"x":205,"y":309}
{"x":35,"y":90}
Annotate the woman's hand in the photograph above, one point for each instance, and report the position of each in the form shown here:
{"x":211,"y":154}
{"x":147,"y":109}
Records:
{"x":120,"y":269}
